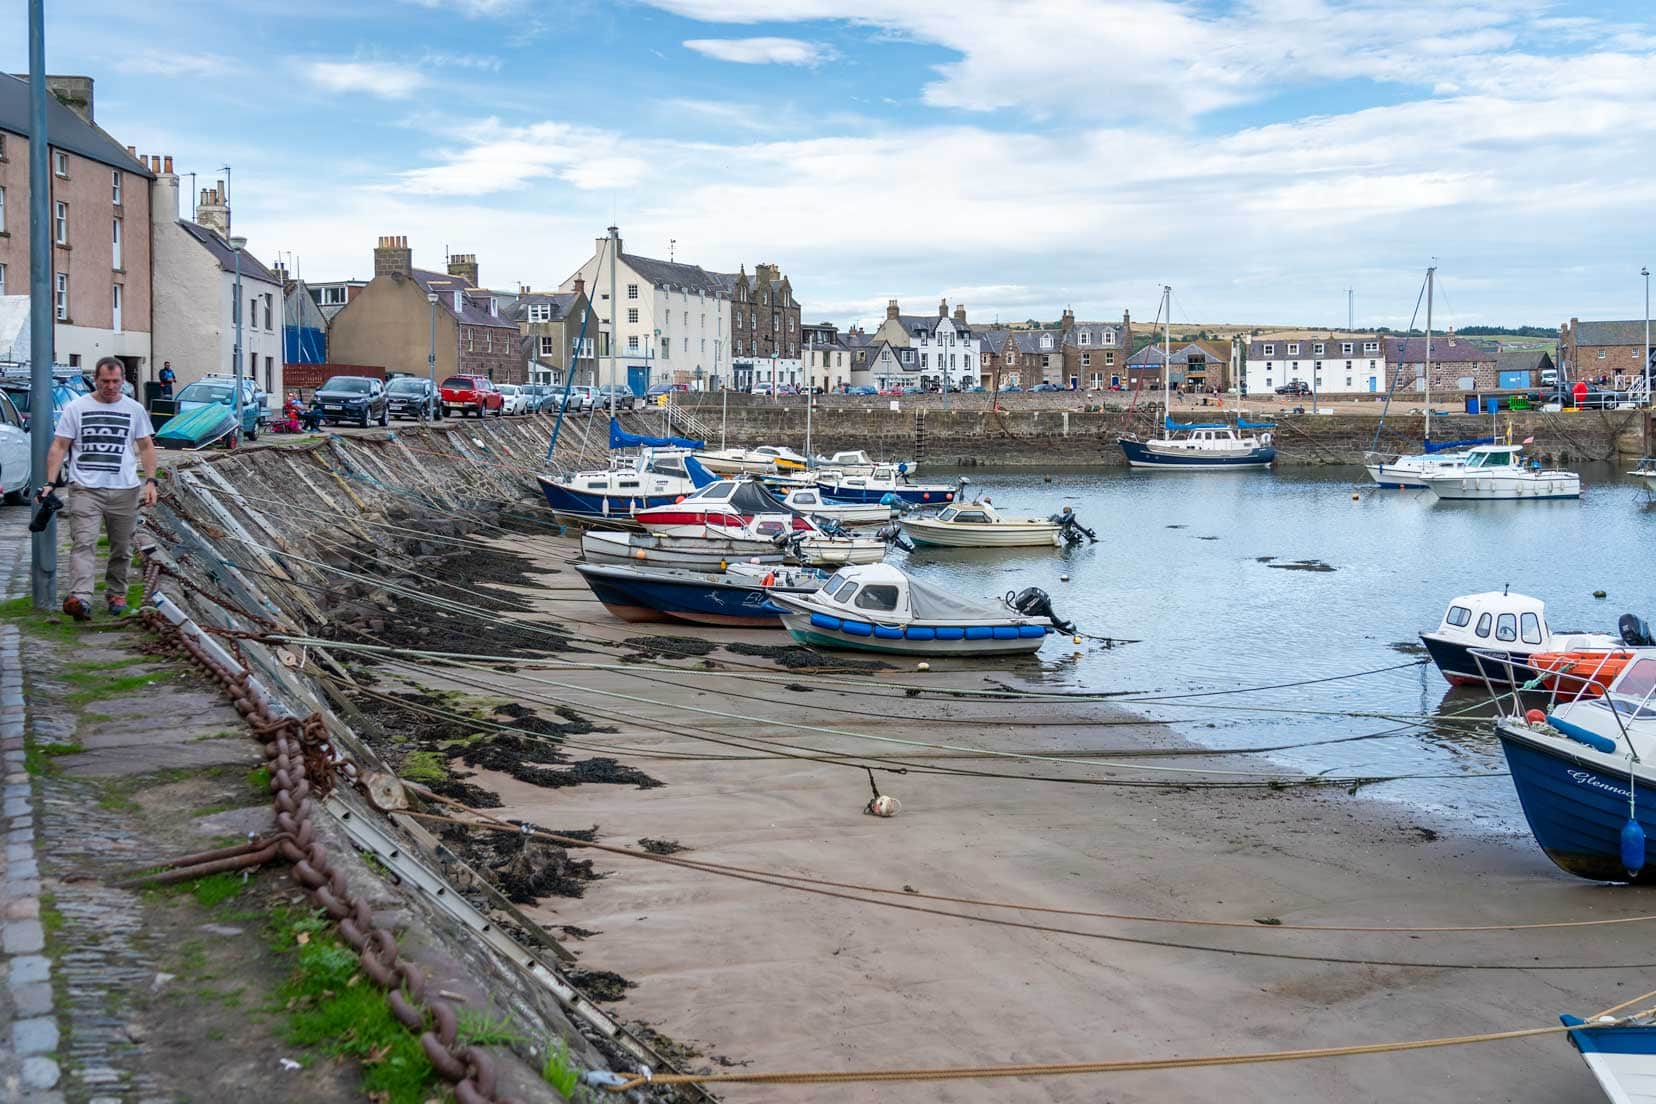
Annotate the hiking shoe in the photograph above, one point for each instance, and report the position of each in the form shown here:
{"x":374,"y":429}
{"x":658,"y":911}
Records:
{"x":118,"y":608}
{"x":77,"y":608}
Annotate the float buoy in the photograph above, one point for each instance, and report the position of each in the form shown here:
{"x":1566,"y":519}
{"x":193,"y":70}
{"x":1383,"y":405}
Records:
{"x":1535,"y":716}
{"x":1076,"y":639}
{"x":1355,"y":497}
{"x":1599,"y":594}
{"x":1063,"y":578}
{"x":883,"y":805}
{"x":922,"y":666}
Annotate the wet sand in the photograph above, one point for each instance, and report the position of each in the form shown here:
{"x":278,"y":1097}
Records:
{"x":782,"y":980}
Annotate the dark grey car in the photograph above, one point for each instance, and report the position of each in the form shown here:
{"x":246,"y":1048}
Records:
{"x":359,"y":399}
{"x":413,"y":397}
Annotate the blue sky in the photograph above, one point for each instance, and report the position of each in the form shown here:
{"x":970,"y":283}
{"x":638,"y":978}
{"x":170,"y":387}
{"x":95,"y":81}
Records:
{"x":1019,"y":157}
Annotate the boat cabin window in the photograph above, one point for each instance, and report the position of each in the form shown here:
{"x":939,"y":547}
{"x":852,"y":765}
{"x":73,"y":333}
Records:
{"x":844,"y":592}
{"x":883,"y":598}
{"x":948,"y":513}
{"x":1459,"y":616}
{"x":668,"y":467}
{"x":625,"y":483}
{"x":770,"y":528}
{"x":977,"y":516}
{"x":1638,"y":681}
{"x":1529,"y":627}
{"x":720,"y":489}
{"x":1483,"y":625}
{"x":1506,"y":627}
{"x":805,"y":498}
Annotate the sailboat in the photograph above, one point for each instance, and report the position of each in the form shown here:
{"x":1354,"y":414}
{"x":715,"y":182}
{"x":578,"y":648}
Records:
{"x":1200,"y":446}
{"x":1445,"y":459}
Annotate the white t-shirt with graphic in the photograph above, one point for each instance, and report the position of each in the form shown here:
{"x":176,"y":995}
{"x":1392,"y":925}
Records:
{"x":102,"y":436}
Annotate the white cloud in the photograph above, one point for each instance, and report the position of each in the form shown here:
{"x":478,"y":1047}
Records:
{"x":171,"y":63}
{"x":374,"y":78}
{"x":491,"y":158}
{"x":472,"y":9}
{"x":762,"y":51}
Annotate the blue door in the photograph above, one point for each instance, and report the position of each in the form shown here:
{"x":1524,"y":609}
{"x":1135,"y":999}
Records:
{"x":1372,"y":385}
{"x":638,"y":378}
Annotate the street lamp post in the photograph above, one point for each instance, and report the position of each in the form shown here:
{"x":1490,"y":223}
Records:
{"x":42,"y":545}
{"x":1645,"y":272}
{"x":238,"y":244}
{"x":431,"y":356}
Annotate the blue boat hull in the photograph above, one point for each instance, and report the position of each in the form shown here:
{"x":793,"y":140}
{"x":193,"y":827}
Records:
{"x":695,"y":603}
{"x":1139,"y":455}
{"x":1457,"y":664}
{"x":924,"y":496}
{"x":1576,"y":809}
{"x":570,"y":501}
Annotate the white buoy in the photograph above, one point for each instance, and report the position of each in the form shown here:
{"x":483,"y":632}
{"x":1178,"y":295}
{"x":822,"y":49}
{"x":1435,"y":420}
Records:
{"x":884,"y":806}
{"x":922,"y":666}
{"x":1076,"y":639}
{"x":1063,"y":578}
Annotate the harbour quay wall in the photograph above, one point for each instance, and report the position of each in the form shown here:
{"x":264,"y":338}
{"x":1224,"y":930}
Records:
{"x":1038,"y":431}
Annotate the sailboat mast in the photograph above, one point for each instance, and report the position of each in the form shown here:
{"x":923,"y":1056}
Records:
{"x":1430,"y":273}
{"x":1167,"y":349}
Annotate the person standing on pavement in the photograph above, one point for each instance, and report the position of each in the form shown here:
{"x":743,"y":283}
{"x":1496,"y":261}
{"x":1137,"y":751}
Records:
{"x":105,"y":437}
{"x":168,"y":378}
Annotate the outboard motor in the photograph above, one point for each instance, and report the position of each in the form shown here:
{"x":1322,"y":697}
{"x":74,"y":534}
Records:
{"x":1035,"y":602}
{"x":830,"y":527}
{"x":1070,"y":529}
{"x":1634,"y":631}
{"x":891,"y":534}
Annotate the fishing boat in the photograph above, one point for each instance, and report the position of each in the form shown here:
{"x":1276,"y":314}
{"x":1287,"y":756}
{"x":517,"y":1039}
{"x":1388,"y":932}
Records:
{"x":1497,"y":473}
{"x":1621,"y":1055}
{"x":1585,"y":773}
{"x":1645,"y":472}
{"x":858,"y":462}
{"x":1513,"y":627}
{"x":1197,"y":446}
{"x":809,"y":500}
{"x":631,"y":484}
{"x":707,"y":553}
{"x":734,"y":598}
{"x":765,"y":458}
{"x":878,"y":608}
{"x":725,"y":505}
{"x":980,"y":525}
{"x":883,"y":481}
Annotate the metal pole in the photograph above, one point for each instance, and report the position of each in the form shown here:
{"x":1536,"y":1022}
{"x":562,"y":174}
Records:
{"x":1645,"y":272}
{"x":615,"y":311}
{"x":724,"y":414}
{"x":1430,"y":274}
{"x":43,"y":545}
{"x":431,"y":358}
{"x":238,"y":365}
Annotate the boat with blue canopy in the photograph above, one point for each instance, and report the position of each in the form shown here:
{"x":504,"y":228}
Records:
{"x":631,"y":484}
{"x":621,"y":439}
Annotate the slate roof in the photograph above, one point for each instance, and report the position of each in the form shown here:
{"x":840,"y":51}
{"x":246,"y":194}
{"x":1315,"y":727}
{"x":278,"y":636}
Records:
{"x":1097,"y":330}
{"x":857,"y":340}
{"x":64,"y":129}
{"x":561,"y":302}
{"x":1612,"y":333}
{"x":473,"y":312}
{"x":1029,"y":341}
{"x":993,"y":340}
{"x":673,"y":274}
{"x":251,"y":269}
{"x":1151,"y":356}
{"x":1521,"y":360}
{"x":1412,"y":350}
{"x":1308,"y":346}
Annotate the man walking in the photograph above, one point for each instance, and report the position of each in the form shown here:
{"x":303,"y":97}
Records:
{"x":104,"y":436}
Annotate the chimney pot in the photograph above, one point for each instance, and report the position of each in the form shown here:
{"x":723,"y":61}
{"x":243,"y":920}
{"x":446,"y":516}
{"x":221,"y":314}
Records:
{"x":167,"y":163}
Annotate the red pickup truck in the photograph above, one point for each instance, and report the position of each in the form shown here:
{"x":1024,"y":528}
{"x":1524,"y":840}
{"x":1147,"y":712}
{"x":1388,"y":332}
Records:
{"x":473,"y":394}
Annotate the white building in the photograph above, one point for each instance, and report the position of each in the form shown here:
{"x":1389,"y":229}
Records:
{"x":1341,"y":364}
{"x":931,"y":348}
{"x":195,"y":294}
{"x":670,"y":322}
{"x":827,"y":358}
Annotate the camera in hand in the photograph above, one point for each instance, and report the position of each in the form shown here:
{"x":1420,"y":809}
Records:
{"x":49,"y":505}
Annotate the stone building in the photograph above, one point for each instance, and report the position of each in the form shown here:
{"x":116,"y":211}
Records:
{"x":1591,"y":350}
{"x":1456,"y":365}
{"x":388,"y":323}
{"x":550,"y":322}
{"x":827,"y":357}
{"x":765,"y":329}
{"x":99,"y":219}
{"x":1094,"y":353}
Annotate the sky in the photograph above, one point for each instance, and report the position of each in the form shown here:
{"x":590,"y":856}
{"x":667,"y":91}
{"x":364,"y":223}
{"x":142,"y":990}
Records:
{"x":1014,"y":156}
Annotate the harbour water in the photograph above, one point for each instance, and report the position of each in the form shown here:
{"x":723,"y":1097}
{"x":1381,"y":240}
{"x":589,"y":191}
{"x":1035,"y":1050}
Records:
{"x":1234,"y":580}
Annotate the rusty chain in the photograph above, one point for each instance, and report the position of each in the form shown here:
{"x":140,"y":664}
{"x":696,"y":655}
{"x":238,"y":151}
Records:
{"x":302,"y":763}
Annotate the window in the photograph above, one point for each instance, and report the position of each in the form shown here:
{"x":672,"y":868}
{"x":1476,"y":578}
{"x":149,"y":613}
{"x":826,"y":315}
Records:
{"x":1317,"y":365}
{"x":632,"y":291}
{"x":333,"y":296}
{"x":1046,"y":341}
{"x":60,"y":223}
{"x":1084,"y":337}
{"x":632,"y":315}
{"x":1293,"y":348}
{"x":540,"y":312}
{"x":115,"y":307}
{"x":2,"y":279}
{"x":1319,"y":349}
{"x":1109,"y":358}
{"x":1601,"y":353}
{"x":548,"y":346}
{"x":60,"y":163}
{"x":883,"y":598}
{"x":1269,"y":350}
{"x":1458,"y":616}
{"x":2,"y":210}
{"x":632,"y":343}
{"x":1483,"y":625}
{"x":1086,"y":359}
{"x":1506,"y":627}
{"x":923,"y":359}
{"x":471,"y":340}
{"x":115,"y":185}
{"x":270,"y":375}
{"x":1345,"y":348}
{"x":1529,"y":626}
{"x":2,"y":147}
{"x":61,"y":299}
{"x":115,"y":244}
{"x":488,"y":341}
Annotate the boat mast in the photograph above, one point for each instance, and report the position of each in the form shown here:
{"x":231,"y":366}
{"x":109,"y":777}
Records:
{"x":1430,"y":273}
{"x":1167,"y":351}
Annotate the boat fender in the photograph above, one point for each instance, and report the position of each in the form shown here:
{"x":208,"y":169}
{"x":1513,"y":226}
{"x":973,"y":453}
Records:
{"x":1632,"y":847}
{"x":883,"y":805}
{"x":922,"y":666}
{"x":1535,"y":717}
{"x":769,"y":579}
{"x":1600,"y":594}
{"x":1264,"y":438}
{"x":1581,"y":735}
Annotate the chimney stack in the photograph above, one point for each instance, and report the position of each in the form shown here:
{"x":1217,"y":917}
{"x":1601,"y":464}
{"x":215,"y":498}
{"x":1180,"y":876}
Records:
{"x":1067,"y":322}
{"x":166,"y":163}
{"x":960,"y":314}
{"x":392,"y":257}
{"x":891,"y":310}
{"x":75,"y":93}
{"x":580,"y":285}
{"x":464,"y":266}
{"x":213,"y":213}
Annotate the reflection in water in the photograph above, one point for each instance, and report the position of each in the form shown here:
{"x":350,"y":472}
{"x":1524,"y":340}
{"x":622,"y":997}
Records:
{"x":1183,"y":565}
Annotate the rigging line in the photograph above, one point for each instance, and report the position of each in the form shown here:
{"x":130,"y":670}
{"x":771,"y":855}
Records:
{"x":1046,"y":929}
{"x":819,"y":729}
{"x":497,"y":823}
{"x":1083,"y":695}
{"x":1386,"y":407}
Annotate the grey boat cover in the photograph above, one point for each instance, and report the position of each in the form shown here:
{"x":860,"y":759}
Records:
{"x":930,"y":603}
{"x":751,"y":497}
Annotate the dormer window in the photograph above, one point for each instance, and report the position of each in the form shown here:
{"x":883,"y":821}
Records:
{"x":1371,"y":346}
{"x":1345,"y":348}
{"x":1269,"y":350}
{"x":1046,"y":341}
{"x":1319,"y":349}
{"x":1293,"y":348}
{"x":1085,"y":337}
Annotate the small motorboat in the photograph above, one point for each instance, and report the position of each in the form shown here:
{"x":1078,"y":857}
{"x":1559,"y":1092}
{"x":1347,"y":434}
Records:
{"x":980,"y":525}
{"x":1621,"y":1055}
{"x":740,"y":597}
{"x":885,"y":480}
{"x":631,"y":484}
{"x":1511,"y":625}
{"x":689,"y":553}
{"x":724,"y":504}
{"x":858,"y":462}
{"x":198,"y":427}
{"x":831,"y":546}
{"x":878,"y":608}
{"x":1645,"y":471}
{"x":809,"y":500}
{"x":1585,"y":773}
{"x":764,"y":459}
{"x":1408,"y":472}
{"x":1497,"y":473}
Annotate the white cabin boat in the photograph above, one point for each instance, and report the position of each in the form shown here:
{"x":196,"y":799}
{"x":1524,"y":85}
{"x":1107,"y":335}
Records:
{"x":1492,"y":636}
{"x":809,"y":500}
{"x":979,"y":525}
{"x":761,"y":460}
{"x":858,"y":462}
{"x":1645,"y":471}
{"x":1497,"y":473}
{"x":1410,"y":472}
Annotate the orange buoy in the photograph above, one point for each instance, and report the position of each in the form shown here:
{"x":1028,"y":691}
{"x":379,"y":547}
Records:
{"x":1535,"y":716}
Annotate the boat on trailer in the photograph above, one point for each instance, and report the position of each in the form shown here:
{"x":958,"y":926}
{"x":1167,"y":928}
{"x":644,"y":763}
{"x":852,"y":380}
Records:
{"x":878,"y":608}
{"x":741,"y":597}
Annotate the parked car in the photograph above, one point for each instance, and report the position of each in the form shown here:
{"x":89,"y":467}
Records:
{"x":474,"y":394}
{"x":222,"y":389}
{"x":1047,"y":387}
{"x":658,"y":389}
{"x":15,"y":459}
{"x":863,"y":390}
{"x":19,"y":390}
{"x":1294,"y":387}
{"x":614,"y":394}
{"x":513,"y":401}
{"x":413,"y":397}
{"x":1011,"y":388}
{"x":359,"y":399}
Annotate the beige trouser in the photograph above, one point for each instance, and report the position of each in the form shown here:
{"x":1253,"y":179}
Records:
{"x":118,"y":510}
